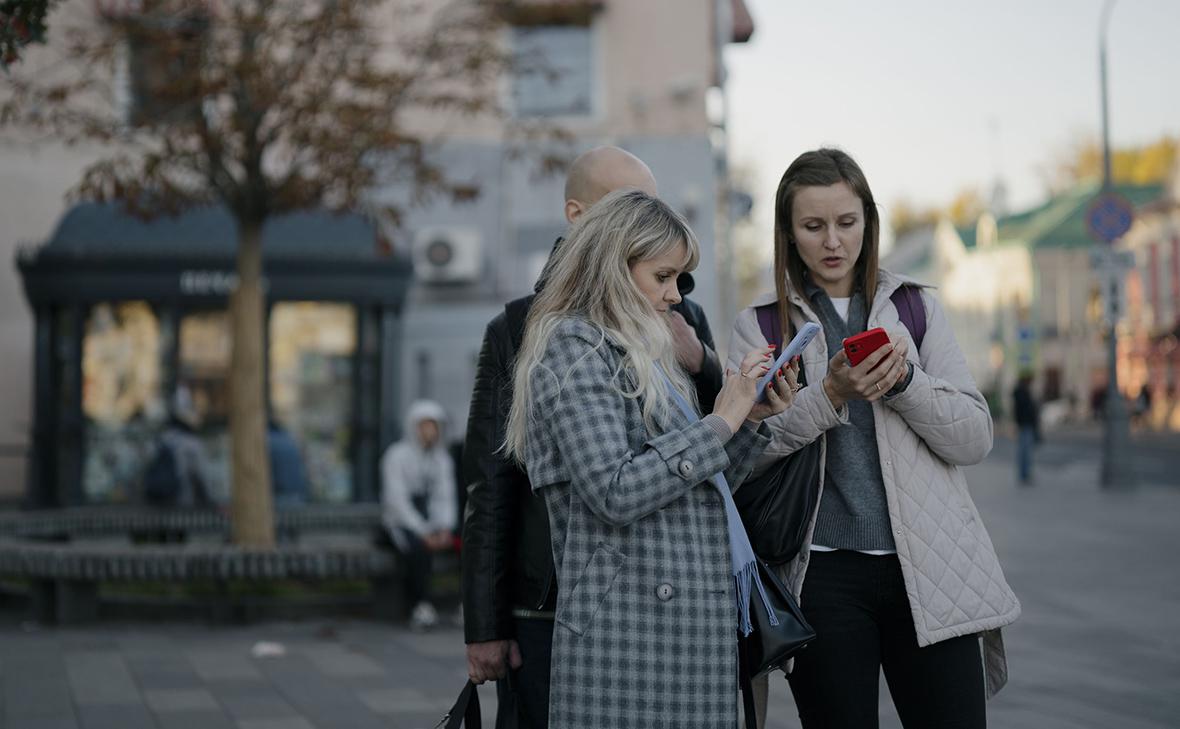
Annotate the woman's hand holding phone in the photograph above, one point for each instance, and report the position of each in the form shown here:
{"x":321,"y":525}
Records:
{"x":780,"y":393}
{"x":735,"y":403}
{"x":867,"y":381}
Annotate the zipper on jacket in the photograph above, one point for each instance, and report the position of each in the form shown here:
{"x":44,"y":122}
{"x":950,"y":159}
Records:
{"x":548,"y":588}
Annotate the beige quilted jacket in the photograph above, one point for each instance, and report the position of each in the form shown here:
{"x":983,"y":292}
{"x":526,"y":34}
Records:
{"x":940,"y":422}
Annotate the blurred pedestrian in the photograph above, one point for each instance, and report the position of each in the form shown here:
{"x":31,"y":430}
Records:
{"x":178,"y":474}
{"x":509,"y":581}
{"x":897,"y":572}
{"x":418,"y":499}
{"x":287,"y":474}
{"x":1143,"y":405}
{"x":648,"y":546}
{"x":1027,"y":414}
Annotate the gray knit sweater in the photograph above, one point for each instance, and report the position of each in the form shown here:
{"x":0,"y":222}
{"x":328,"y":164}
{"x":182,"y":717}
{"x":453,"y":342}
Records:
{"x":853,"y":513}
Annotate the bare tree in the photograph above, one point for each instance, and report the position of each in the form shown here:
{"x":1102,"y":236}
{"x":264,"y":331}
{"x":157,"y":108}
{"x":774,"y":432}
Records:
{"x":265,"y":107}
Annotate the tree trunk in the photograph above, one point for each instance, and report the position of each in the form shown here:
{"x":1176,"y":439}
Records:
{"x":252,"y":510}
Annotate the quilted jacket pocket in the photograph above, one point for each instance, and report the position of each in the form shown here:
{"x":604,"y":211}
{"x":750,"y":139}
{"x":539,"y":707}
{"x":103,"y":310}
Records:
{"x":581,"y":604}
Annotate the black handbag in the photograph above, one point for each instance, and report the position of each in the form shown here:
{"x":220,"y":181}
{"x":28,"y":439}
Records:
{"x":768,"y":647}
{"x":465,"y":712}
{"x":776,"y":507}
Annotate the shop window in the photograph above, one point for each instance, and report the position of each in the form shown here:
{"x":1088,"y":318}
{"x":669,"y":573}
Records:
{"x":202,"y":373}
{"x":312,"y":384}
{"x":555,"y":70}
{"x":122,"y":399}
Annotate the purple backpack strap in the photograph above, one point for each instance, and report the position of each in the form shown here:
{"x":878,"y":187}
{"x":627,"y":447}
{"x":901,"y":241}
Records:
{"x":908,"y":302}
{"x":770,"y":324}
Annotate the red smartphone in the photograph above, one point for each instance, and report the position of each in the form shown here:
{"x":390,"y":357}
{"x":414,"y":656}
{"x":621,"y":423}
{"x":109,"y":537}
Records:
{"x":859,"y":346}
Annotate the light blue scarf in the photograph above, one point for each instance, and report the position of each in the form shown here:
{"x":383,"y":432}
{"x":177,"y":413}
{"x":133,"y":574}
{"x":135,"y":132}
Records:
{"x":745,"y":569}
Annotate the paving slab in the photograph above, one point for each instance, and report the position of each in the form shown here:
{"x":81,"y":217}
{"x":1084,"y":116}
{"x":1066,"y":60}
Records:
{"x":1098,"y":644}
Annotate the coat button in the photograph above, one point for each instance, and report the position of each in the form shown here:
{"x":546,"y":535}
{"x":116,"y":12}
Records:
{"x":664,"y":592}
{"x":686,"y":468}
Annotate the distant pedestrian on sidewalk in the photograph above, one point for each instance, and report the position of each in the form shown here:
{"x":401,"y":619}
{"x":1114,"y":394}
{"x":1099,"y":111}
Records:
{"x":1028,"y":427}
{"x":418,"y":500}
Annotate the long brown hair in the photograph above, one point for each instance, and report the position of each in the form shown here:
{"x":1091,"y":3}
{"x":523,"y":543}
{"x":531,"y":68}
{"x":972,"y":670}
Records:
{"x":821,"y":168}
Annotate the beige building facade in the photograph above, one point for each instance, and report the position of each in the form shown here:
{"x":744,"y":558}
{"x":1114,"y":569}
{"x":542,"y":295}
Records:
{"x":645,"y":75}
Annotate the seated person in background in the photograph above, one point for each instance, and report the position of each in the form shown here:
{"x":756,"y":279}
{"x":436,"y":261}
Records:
{"x":287,"y":475}
{"x":419,"y":502}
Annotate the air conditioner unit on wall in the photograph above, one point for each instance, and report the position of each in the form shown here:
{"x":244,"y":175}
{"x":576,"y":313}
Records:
{"x":447,"y":254}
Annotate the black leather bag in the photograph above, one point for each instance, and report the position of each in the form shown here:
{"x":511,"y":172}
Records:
{"x":769,"y":647}
{"x":465,"y":712}
{"x":776,"y":507}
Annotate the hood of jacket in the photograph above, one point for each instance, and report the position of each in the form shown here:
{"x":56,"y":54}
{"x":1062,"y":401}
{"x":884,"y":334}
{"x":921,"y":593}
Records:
{"x":420,"y":410}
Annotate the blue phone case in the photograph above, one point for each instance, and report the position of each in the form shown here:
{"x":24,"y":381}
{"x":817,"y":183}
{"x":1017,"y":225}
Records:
{"x":797,"y":345}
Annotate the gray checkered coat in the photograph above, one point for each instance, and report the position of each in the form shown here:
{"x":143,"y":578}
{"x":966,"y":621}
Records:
{"x":646,"y":630}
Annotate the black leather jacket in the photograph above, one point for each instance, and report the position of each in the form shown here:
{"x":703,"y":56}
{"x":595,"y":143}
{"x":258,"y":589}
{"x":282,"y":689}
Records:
{"x":507,"y":557}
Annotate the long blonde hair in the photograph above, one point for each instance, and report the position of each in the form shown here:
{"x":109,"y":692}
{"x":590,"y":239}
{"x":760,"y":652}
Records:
{"x":589,"y":277}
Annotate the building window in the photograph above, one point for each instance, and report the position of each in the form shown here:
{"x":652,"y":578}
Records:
{"x":204,"y":349}
{"x":157,"y":73}
{"x":555,"y":70}
{"x":313,"y":348}
{"x":122,"y":399}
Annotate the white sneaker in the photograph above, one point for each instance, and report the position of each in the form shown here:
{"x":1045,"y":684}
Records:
{"x":423,"y":617}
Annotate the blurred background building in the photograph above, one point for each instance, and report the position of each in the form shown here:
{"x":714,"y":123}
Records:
{"x":104,"y":316}
{"x":660,"y":95}
{"x":1022,"y":295}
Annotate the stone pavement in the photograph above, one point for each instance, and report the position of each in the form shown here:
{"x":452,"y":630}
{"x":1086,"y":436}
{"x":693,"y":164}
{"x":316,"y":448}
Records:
{"x":1098,"y":576}
{"x":1098,"y":644}
{"x":339,"y":675}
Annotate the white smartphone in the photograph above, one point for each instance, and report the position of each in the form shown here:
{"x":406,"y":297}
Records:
{"x":797,"y":345}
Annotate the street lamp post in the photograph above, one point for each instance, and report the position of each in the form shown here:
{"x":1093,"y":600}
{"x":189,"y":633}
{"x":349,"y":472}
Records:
{"x":1116,"y":460}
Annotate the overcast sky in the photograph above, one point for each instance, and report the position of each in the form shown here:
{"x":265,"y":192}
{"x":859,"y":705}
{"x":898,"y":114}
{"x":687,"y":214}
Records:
{"x":932,"y":96}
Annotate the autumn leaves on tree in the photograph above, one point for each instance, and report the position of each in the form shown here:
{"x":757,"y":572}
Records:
{"x":264,"y":108}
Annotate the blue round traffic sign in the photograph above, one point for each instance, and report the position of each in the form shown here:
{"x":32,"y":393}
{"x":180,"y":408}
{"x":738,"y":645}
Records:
{"x":1109,"y":216}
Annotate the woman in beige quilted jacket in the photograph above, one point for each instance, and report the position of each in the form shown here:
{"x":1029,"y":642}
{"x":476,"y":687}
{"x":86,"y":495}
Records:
{"x":897,"y":572}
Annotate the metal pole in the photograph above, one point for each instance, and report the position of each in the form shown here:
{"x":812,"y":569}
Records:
{"x":1116,"y":460}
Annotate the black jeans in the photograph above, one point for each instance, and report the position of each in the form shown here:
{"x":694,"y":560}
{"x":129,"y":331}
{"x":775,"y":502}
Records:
{"x":527,"y":688}
{"x":418,"y":568}
{"x":858,"y":607}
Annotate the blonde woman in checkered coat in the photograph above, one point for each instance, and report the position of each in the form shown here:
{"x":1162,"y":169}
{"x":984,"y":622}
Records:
{"x":654,"y":570}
